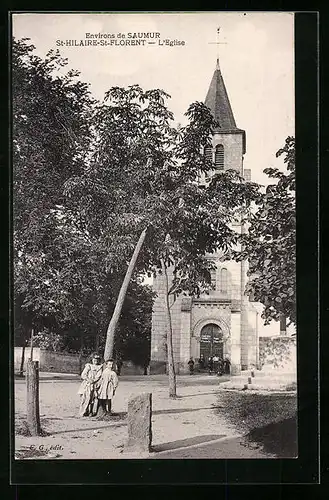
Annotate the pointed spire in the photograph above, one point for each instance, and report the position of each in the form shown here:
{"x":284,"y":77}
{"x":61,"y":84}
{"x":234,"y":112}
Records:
{"x":218,"y":102}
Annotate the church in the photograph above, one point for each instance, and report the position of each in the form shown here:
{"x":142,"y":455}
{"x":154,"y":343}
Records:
{"x":223,"y":323}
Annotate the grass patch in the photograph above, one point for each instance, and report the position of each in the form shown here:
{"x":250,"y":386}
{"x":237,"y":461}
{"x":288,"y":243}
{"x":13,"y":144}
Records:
{"x":269,"y":420}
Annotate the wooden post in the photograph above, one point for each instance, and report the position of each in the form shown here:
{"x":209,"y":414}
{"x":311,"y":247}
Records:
{"x":257,"y":341}
{"x":21,"y":370}
{"x":32,"y":390}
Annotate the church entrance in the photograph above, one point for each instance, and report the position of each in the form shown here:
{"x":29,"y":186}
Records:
{"x":211,"y":345}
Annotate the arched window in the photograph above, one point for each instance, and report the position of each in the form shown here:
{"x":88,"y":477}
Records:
{"x":208,"y":153}
{"x":219,"y":157}
{"x":223,"y":280}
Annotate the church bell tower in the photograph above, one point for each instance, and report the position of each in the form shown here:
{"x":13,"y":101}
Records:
{"x":221,"y":323}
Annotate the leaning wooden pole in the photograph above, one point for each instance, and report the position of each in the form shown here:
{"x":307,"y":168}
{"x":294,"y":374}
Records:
{"x":21,"y":370}
{"x":108,"y":351}
{"x":32,"y":391}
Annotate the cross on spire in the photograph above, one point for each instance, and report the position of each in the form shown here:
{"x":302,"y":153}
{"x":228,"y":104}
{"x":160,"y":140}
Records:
{"x":218,"y":43}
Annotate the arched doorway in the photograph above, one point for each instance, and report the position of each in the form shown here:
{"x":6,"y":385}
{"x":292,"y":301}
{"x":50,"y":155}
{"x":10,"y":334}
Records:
{"x":211,"y":342}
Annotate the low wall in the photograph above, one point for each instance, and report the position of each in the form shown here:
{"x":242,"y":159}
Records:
{"x":18,"y":357}
{"x":128,"y":368}
{"x":62,"y":362}
{"x":157,"y":367}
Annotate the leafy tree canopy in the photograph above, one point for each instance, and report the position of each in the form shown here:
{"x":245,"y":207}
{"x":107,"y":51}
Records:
{"x":270,"y":243}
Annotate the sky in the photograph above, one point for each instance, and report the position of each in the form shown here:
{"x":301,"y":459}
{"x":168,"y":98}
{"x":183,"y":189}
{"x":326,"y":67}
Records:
{"x":256,"y":56}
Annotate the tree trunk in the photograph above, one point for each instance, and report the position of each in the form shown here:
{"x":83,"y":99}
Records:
{"x":170,"y":351}
{"x":283,"y":324}
{"x":97,"y":342}
{"x":21,"y":370}
{"x":108,"y":351}
{"x":32,"y":389}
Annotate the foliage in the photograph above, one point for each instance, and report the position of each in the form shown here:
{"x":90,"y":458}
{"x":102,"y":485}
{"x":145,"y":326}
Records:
{"x":62,"y":281}
{"x":185,"y":221}
{"x":276,"y":351}
{"x":48,"y":340}
{"x":50,"y":142}
{"x":270,"y":245}
{"x":88,"y":178}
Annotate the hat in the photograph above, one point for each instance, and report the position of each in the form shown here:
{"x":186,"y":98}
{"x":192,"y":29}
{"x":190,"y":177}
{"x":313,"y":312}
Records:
{"x":96,"y":356}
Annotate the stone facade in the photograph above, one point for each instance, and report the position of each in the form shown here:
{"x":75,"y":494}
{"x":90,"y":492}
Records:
{"x":229,"y":310}
{"x":225,"y":310}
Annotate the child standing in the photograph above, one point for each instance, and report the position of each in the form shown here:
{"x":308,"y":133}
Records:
{"x":88,"y":389}
{"x":107,"y":386}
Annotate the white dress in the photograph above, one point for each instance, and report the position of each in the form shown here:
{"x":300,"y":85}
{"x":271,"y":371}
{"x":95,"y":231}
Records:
{"x":90,"y":377}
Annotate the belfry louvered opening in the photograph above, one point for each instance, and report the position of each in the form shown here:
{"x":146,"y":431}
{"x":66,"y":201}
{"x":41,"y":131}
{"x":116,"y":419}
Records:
{"x":219,"y":157}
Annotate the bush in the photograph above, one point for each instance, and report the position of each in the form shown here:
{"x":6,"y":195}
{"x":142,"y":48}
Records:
{"x":48,"y":340}
{"x":276,"y":351}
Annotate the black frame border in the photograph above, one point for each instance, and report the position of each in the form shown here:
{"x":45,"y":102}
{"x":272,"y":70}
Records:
{"x":304,"y":469}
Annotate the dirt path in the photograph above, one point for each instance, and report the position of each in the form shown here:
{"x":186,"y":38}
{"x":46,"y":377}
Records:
{"x":191,"y":426}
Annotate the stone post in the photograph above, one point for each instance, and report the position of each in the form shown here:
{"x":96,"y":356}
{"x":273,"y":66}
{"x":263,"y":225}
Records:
{"x":139,"y":423}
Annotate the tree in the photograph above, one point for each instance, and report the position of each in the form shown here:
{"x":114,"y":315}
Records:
{"x":270,"y":245}
{"x":80,"y":206}
{"x":50,"y":142}
{"x":63,"y":284}
{"x":183,"y":221}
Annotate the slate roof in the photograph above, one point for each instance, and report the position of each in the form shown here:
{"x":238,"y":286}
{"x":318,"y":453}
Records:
{"x":218,"y":102}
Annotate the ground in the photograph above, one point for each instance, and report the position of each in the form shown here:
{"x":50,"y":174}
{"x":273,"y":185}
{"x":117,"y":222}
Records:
{"x":203,"y":422}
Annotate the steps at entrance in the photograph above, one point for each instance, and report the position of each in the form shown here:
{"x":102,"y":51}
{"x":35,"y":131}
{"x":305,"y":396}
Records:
{"x":274,"y":380}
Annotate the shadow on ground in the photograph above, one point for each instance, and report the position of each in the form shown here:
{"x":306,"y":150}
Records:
{"x":198,"y":394}
{"x":30,"y":452}
{"x":278,"y":438}
{"x":267,"y":421}
{"x":183,"y":443}
{"x":114,"y":420}
{"x":182,"y":410}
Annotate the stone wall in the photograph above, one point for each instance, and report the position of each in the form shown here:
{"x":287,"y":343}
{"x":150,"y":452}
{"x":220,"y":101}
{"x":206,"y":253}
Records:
{"x":18,"y":357}
{"x":60,"y":362}
{"x":128,"y":368}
